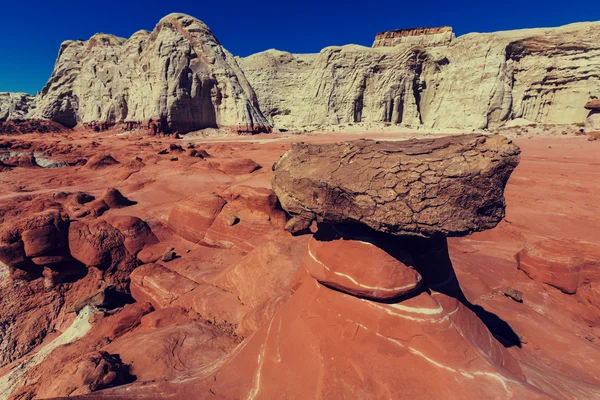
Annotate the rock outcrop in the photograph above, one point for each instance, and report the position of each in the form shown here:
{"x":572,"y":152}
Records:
{"x":592,"y":122}
{"x":177,"y":78}
{"x":374,"y":314}
{"x":344,"y":84}
{"x":477,"y":81}
{"x":450,"y":186}
{"x":441,"y":36}
{"x":15,"y":105}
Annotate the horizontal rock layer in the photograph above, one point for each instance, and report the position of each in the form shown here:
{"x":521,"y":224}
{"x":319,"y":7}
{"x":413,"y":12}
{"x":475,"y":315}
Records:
{"x":420,"y":36}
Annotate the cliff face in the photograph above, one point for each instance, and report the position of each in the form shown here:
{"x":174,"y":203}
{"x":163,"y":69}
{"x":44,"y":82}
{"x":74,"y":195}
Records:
{"x":421,"y":36}
{"x":285,"y":76}
{"x":341,"y":84}
{"x":178,"y":78}
{"x":177,"y":74}
{"x":15,"y":105}
{"x":542,"y":75}
{"x":477,"y":81}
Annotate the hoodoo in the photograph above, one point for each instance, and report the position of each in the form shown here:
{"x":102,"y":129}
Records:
{"x":381,"y":313}
{"x":592,"y":122}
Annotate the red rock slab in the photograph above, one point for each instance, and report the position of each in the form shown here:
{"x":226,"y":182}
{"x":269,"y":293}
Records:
{"x":215,"y":305}
{"x":241,"y":166}
{"x":556,"y":262}
{"x":251,"y":229}
{"x":253,"y":198}
{"x":359,"y":268}
{"x":326,"y":344}
{"x":158,"y":285}
{"x":92,"y":371}
{"x":42,"y":379}
{"x":265,"y":272}
{"x":192,"y":217}
{"x":260,"y":315}
{"x":203,"y":264}
{"x":168,"y":344}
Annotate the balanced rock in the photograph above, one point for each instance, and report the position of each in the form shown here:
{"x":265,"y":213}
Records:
{"x":450,"y":186}
{"x":592,"y":122}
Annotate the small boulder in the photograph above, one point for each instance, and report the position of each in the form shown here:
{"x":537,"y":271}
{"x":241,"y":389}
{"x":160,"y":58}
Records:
{"x":556,"y":262}
{"x":100,"y":161}
{"x":232,"y":220}
{"x":82,"y":198}
{"x":514,"y":294}
{"x":168,"y":255}
{"x":115,"y":199}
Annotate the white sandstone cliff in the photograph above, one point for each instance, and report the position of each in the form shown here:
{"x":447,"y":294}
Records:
{"x":178,"y":74}
{"x":478,"y":81}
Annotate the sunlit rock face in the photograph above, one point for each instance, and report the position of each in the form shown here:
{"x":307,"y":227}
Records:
{"x":476,"y":81}
{"x":178,"y":75}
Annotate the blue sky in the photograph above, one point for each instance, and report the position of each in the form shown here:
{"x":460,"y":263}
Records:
{"x":31,"y":31}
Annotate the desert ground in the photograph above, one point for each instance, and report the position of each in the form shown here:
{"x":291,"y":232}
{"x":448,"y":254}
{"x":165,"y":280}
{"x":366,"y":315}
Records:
{"x":189,"y":317}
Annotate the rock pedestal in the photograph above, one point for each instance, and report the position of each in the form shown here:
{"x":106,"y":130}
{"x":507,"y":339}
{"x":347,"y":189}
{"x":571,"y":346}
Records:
{"x":376,"y":309}
{"x":592,"y":122}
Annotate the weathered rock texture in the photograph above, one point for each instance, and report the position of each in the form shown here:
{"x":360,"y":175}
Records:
{"x":450,"y":186}
{"x":177,"y":77}
{"x":477,"y":81}
{"x":14,"y":105}
{"x":420,"y":36}
{"x":285,"y":74}
{"x":592,"y":122}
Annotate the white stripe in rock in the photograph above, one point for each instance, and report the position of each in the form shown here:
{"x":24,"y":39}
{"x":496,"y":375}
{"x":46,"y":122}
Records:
{"x":351,"y":279}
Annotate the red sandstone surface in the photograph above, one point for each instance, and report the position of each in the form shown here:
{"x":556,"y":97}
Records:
{"x":145,"y":271}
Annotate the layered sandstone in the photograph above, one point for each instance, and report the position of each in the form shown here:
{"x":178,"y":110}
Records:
{"x":477,"y":81}
{"x":449,"y":186}
{"x":177,"y":77}
{"x":441,"y":36}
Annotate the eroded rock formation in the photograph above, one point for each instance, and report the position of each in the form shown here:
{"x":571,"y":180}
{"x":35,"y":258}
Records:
{"x":178,"y":76}
{"x":420,"y":37}
{"x":477,"y":81}
{"x":450,"y":186}
{"x":15,"y":105}
{"x":592,"y":122}
{"x":375,"y":310}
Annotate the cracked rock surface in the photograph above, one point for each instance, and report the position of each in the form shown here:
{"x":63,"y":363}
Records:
{"x":450,"y":186}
